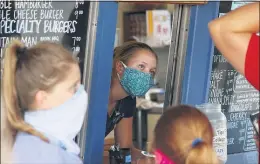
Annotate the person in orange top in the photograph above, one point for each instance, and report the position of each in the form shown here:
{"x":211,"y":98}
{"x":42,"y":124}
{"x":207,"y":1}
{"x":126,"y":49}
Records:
{"x":235,"y":36}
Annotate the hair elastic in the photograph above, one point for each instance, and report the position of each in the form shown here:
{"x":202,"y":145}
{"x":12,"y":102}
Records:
{"x":21,"y":55}
{"x":196,"y":141}
{"x":21,"y":52}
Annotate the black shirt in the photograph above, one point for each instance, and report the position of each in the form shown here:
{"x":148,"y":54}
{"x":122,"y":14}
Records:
{"x":124,"y":108}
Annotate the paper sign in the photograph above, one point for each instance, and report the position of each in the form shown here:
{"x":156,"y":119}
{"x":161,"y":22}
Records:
{"x":158,"y":27}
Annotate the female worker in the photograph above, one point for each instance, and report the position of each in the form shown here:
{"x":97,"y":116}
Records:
{"x":44,"y":102}
{"x":134,"y":68}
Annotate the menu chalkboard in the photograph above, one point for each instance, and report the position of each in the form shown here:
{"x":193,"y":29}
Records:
{"x":33,"y":21}
{"x":237,"y":97}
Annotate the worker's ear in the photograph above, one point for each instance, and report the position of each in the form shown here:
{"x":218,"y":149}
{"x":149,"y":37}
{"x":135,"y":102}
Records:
{"x":119,"y":68}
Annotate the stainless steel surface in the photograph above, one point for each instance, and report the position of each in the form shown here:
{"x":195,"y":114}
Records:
{"x":139,"y":129}
{"x":177,"y":55}
{"x":141,"y":113}
{"x":181,"y":55}
{"x":152,"y":110}
{"x":155,"y":111}
{"x":172,"y":55}
{"x":88,"y":67}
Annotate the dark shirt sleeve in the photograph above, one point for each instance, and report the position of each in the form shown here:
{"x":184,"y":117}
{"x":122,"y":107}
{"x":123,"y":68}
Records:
{"x":128,"y":107}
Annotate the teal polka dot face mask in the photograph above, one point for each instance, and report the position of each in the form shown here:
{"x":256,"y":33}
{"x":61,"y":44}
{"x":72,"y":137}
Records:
{"x":135,"y":82}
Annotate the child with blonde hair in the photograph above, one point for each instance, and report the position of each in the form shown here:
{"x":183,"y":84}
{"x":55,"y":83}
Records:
{"x":184,"y":135}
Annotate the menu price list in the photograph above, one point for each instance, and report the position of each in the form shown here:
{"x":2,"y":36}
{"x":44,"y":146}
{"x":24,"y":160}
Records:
{"x":34,"y":21}
{"x":238,"y":98}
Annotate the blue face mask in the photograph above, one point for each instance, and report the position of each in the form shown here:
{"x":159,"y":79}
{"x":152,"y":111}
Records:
{"x":135,"y":82}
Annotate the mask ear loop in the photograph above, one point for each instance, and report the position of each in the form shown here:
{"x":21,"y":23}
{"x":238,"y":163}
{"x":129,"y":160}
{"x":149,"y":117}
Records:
{"x":124,"y":67}
{"x":123,"y":64}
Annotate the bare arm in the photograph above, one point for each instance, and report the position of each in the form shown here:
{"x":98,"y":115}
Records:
{"x":123,"y":137}
{"x":123,"y":133}
{"x":231,"y":33}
